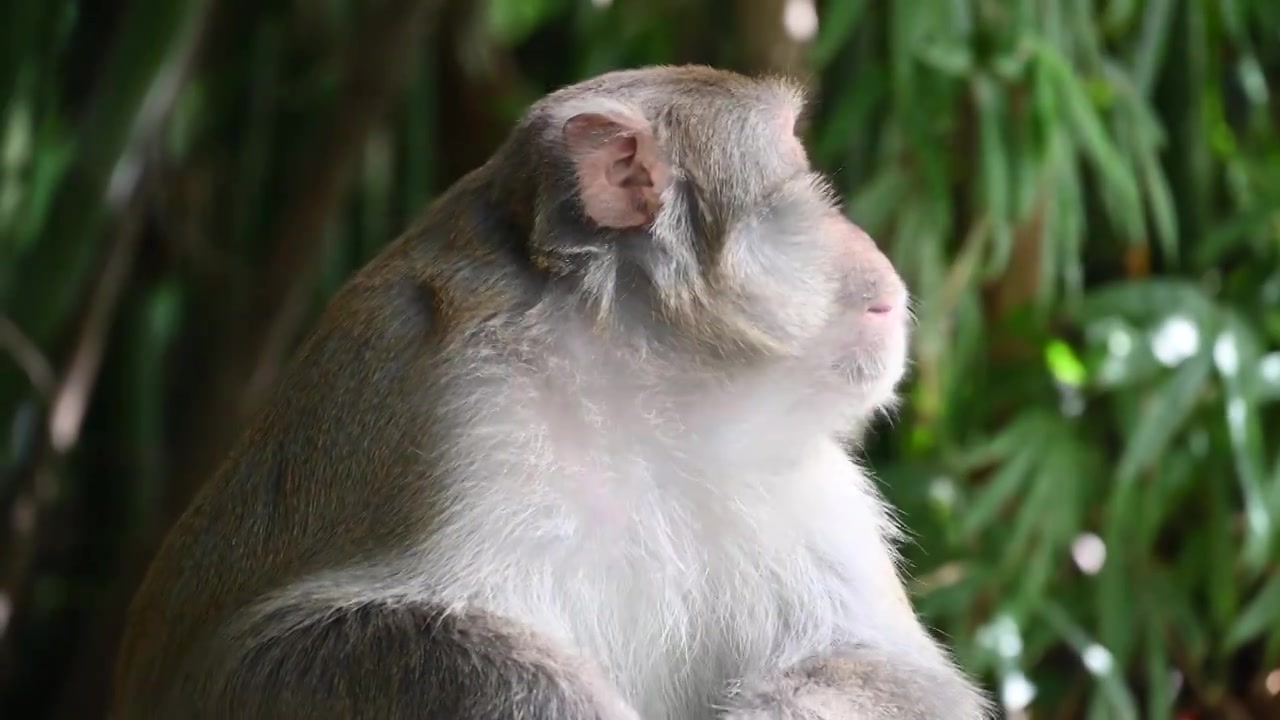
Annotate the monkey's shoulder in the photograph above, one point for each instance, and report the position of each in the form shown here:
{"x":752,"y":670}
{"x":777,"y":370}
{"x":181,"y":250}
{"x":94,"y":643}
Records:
{"x":441,"y":279}
{"x":397,"y":310}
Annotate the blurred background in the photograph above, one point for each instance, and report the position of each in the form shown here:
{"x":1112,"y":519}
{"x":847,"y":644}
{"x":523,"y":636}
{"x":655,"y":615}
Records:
{"x":1084,"y":196}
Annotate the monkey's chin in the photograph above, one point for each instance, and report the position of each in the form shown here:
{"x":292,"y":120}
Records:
{"x":873,"y":370}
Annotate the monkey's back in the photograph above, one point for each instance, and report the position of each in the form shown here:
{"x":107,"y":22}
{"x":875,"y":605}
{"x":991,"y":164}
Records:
{"x":300,"y":488}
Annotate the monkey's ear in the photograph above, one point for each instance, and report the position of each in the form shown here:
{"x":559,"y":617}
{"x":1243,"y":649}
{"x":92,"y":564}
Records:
{"x":621,"y":171}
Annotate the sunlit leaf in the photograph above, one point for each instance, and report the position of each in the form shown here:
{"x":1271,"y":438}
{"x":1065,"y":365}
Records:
{"x":1064,"y":364}
{"x":1097,"y":660}
{"x":1237,"y":356}
{"x":1163,"y":414}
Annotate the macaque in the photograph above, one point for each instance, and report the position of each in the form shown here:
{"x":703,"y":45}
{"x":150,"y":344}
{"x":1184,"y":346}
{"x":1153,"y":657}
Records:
{"x":571,"y":448}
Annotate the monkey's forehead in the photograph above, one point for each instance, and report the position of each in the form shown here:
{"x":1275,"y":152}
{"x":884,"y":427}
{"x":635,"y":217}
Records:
{"x":722,"y":126}
{"x":659,"y":87}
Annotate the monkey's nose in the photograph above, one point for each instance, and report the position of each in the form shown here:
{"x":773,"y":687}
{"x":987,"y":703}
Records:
{"x":885,"y":300}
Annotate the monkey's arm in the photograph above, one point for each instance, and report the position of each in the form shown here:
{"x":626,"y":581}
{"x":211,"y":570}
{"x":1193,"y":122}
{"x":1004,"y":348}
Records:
{"x":901,"y":675}
{"x":860,"y":683}
{"x":397,"y":661}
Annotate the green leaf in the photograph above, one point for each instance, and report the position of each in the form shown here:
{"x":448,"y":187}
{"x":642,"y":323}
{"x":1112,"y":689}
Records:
{"x":1114,"y":599}
{"x":1148,"y":301}
{"x":849,"y":118}
{"x":1160,"y":198}
{"x":1261,"y":615}
{"x":1149,"y":50}
{"x":875,"y":205}
{"x":1119,"y":13}
{"x":1164,"y":413}
{"x":949,"y":58}
{"x":1089,"y":131}
{"x":1237,"y":354}
{"x":1171,"y":601}
{"x":1161,"y":695}
{"x":1219,"y":554}
{"x":1064,"y":364}
{"x":838,"y":23}
{"x":994,"y":167}
{"x":1007,"y":480}
{"x":511,"y":21}
{"x":1098,"y":660}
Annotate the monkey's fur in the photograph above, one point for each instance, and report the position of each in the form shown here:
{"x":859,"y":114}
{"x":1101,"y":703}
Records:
{"x":572,"y":448}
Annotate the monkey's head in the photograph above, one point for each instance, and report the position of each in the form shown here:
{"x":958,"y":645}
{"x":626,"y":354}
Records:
{"x":684,"y":194}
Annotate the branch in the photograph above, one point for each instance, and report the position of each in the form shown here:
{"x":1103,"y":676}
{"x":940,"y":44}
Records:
{"x":35,"y":483}
{"x":27,"y":356}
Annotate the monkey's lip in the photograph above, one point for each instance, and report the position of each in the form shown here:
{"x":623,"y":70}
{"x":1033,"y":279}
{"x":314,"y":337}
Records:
{"x":884,"y":316}
{"x":877,"y":345}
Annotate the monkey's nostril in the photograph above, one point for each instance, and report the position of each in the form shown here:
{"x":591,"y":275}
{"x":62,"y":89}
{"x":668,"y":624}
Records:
{"x":880,"y":308}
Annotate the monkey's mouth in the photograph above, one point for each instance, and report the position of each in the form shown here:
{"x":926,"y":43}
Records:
{"x":872,"y":354}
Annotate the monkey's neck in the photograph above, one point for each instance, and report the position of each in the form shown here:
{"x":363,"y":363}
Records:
{"x":512,"y":186}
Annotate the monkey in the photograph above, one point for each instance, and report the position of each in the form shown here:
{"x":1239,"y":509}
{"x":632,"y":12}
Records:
{"x":576,"y":446}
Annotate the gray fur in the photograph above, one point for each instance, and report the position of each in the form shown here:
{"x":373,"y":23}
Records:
{"x":528,"y":468}
{"x":856,"y":684}
{"x":384,"y":660}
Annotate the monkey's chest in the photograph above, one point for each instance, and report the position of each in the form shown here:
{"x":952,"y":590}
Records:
{"x":677,"y":563}
{"x":676,"y":619}
{"x":678,"y":594}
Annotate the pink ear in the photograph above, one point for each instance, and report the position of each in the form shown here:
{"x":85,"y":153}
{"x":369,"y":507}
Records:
{"x":621,"y":173}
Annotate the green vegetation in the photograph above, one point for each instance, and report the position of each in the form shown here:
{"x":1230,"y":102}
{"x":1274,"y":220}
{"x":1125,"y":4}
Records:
{"x":1084,"y":197}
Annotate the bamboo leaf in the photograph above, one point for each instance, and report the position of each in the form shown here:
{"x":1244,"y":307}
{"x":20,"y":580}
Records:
{"x":511,"y":21}
{"x":1163,"y":415}
{"x":1089,"y":132}
{"x":1002,"y":486}
{"x":1237,"y":354}
{"x":1148,"y":300}
{"x":1161,"y":696}
{"x":1149,"y":50}
{"x":994,"y":165}
{"x":838,"y":23}
{"x":1097,"y":659}
{"x":1260,"y":616}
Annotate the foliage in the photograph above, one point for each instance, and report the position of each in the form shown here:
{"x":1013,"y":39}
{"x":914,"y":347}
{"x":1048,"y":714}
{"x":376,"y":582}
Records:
{"x":1084,"y":197}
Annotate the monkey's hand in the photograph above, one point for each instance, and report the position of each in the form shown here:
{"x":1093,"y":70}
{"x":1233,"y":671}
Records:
{"x":859,"y":684}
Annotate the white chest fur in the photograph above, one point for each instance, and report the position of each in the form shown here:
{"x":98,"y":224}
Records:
{"x":680,"y":542}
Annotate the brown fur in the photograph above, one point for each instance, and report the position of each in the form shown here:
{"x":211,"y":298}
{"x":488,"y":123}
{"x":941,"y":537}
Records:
{"x":694,"y":244}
